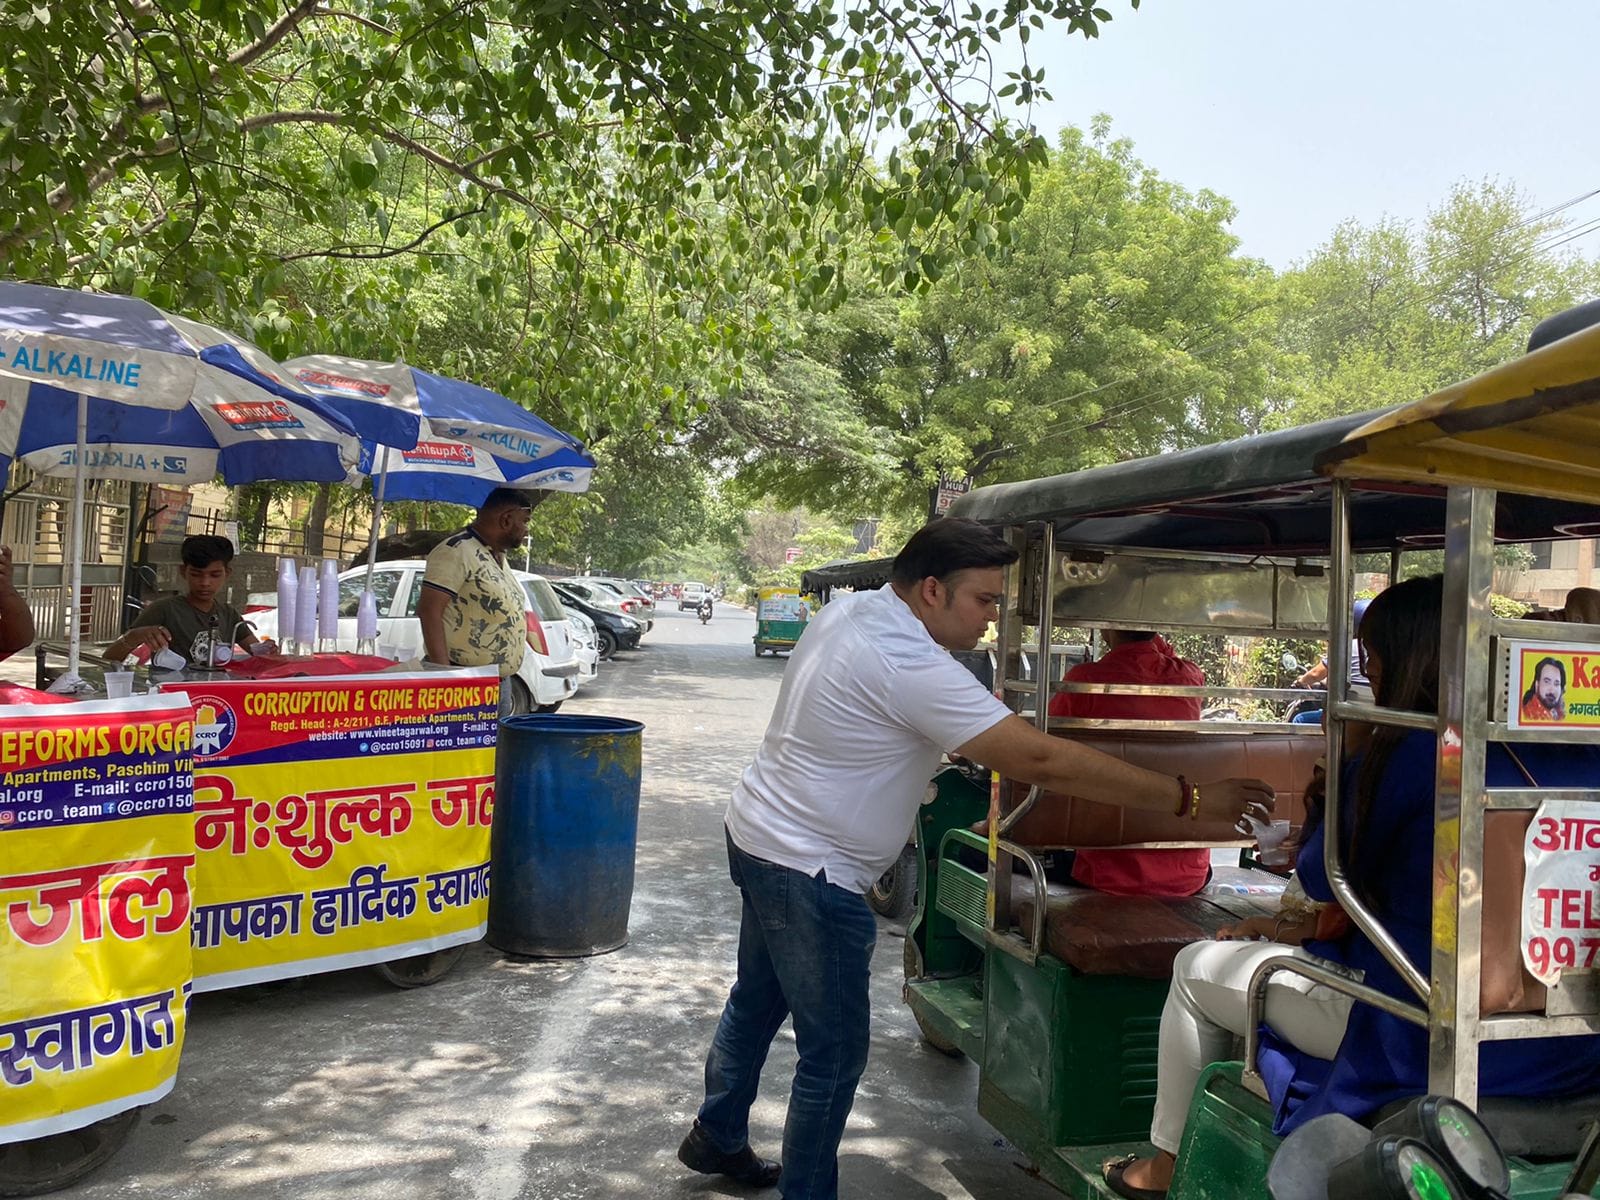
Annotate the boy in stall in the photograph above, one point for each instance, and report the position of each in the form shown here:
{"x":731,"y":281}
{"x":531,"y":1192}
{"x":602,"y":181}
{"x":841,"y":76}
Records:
{"x":195,"y":622}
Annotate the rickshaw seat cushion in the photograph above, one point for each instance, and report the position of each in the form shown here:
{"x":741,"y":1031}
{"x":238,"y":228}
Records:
{"x":1284,"y":760}
{"x":1138,"y":936}
{"x":1537,"y":1127}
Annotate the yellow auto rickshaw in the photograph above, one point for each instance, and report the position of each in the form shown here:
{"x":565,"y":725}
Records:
{"x":781,"y":615}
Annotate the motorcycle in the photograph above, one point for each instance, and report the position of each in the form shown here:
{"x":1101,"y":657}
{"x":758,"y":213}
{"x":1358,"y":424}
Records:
{"x":1307,"y":710}
{"x":705,"y":610}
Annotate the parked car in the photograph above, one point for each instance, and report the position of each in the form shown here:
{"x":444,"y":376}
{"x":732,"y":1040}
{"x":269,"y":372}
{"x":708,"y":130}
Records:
{"x":549,"y":671}
{"x":640,"y":605}
{"x":690,"y":595}
{"x":542,"y":599}
{"x":588,"y":638}
{"x":614,"y":629}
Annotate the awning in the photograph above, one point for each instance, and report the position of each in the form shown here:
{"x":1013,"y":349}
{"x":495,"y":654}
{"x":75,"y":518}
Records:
{"x":859,"y":573}
{"x":1531,"y":426}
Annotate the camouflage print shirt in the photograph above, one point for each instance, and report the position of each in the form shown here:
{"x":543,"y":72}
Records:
{"x":484,"y":622}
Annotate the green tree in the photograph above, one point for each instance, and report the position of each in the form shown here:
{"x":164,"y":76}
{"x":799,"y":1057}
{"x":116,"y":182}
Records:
{"x":627,"y":183}
{"x":1119,"y":321}
{"x":649,"y":496}
{"x":1387,"y":313}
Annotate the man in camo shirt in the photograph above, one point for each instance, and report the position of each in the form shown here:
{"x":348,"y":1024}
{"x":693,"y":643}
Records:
{"x":472,"y":607}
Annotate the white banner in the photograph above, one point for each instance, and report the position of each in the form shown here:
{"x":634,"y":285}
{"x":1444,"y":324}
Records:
{"x":1561,"y":895}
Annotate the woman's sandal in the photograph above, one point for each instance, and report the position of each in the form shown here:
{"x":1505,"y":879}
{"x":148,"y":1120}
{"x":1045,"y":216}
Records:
{"x":1114,"y":1169}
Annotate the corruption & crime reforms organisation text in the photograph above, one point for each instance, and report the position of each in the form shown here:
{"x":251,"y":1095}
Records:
{"x":312,"y":702}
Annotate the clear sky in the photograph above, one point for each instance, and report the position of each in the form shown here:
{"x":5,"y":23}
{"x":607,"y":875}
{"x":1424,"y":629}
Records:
{"x":1307,"y":113}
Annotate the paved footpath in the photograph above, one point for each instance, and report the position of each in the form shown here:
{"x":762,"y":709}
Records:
{"x":557,"y":1080}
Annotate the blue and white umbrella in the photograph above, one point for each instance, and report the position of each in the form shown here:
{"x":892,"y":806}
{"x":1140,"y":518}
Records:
{"x":114,"y":347}
{"x":158,"y":398}
{"x":428,"y":437}
{"x":242,"y":431}
{"x":398,"y":405}
{"x":457,"y":473}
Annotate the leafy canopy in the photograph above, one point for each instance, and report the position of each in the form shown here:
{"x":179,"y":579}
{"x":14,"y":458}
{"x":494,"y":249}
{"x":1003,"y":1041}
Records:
{"x":624,"y":190}
{"x":1118,"y":320}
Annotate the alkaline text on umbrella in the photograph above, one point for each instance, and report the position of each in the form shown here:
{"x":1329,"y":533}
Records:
{"x":58,"y":364}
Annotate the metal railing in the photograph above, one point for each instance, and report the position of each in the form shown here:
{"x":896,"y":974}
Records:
{"x":1463,"y":728}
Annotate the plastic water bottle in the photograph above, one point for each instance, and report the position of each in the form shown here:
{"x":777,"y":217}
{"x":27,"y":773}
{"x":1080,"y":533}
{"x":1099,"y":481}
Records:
{"x":288,"y":593}
{"x":305,"y":610}
{"x":367,"y":623}
{"x":328,"y":608}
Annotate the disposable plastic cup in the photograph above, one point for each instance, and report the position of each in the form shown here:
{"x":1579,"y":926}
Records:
{"x":119,"y":684}
{"x":392,"y":653}
{"x":1269,"y":841}
{"x":167,"y":660}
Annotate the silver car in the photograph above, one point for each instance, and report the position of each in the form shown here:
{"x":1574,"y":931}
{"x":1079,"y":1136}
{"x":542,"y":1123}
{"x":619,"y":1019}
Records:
{"x":637,"y":604}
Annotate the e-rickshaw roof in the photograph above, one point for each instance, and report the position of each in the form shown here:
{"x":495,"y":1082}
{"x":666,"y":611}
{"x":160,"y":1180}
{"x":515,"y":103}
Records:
{"x":1255,"y":495}
{"x":1530,"y":426}
{"x":848,"y":573}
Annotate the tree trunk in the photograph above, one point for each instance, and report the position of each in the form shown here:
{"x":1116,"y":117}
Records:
{"x":317,"y":522}
{"x":251,"y":506}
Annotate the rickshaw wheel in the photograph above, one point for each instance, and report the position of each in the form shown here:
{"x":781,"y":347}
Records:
{"x":930,"y":1036}
{"x":420,"y":970}
{"x":894,"y":894}
{"x":49,"y":1164}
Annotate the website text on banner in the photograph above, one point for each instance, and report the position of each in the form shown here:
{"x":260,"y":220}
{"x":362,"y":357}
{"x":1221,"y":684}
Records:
{"x":339,"y":821}
{"x":96,"y":860}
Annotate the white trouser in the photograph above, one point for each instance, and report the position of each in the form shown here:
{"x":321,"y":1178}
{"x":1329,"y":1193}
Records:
{"x":1206,"y":1009}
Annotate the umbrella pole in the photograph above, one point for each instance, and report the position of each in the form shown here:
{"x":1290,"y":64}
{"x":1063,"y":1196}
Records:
{"x":75,"y":547}
{"x":377,"y":518}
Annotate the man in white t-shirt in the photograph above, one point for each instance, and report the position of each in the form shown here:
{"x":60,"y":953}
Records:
{"x":871,"y":698}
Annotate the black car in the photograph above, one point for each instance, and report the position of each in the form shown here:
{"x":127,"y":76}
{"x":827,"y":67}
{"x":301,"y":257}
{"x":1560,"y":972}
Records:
{"x":614,"y":630}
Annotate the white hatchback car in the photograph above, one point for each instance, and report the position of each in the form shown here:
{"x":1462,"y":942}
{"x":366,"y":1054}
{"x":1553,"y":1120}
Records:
{"x":550,"y":670}
{"x":543,"y":601}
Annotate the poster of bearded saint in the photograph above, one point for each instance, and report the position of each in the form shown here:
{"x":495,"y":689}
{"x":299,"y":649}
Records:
{"x":1552,"y":683}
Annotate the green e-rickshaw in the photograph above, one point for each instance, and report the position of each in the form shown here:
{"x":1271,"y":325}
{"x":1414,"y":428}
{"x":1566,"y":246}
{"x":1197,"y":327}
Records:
{"x":1056,"y":992}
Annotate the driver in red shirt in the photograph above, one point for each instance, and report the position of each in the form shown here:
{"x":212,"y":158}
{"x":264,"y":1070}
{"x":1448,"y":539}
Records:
{"x":1137,"y":657}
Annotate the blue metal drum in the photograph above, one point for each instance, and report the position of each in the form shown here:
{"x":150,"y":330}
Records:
{"x":566,"y":823}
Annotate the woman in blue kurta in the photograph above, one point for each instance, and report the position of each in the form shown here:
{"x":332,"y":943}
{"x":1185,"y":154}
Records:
{"x":1321,"y":1052}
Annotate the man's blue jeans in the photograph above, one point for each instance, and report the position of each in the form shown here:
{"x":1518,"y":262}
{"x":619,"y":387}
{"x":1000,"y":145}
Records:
{"x":805,"y":948}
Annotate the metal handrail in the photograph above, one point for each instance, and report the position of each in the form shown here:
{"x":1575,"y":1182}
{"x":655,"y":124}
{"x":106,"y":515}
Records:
{"x":1338,"y":686}
{"x":1009,"y":821}
{"x":1513,"y":1026}
{"x":1216,"y":727}
{"x":1371,"y":714}
{"x":1560,"y":632}
{"x":1005,"y":940}
{"x":1256,"y":1004}
{"x":1174,"y":689}
{"x":1501,"y":731}
{"x":1047,"y":617}
{"x":1526,"y":798}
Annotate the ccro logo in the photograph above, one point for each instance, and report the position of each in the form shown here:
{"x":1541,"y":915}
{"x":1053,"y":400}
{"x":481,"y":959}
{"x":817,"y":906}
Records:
{"x":214,"y":727}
